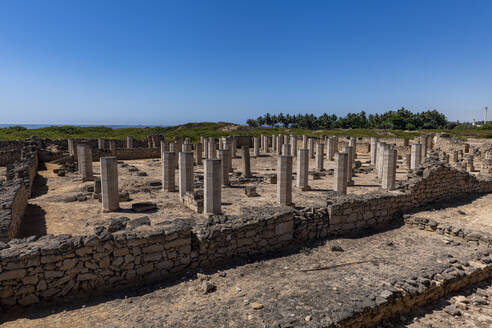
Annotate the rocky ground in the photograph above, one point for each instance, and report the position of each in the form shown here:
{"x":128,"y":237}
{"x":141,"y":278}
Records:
{"x":312,"y":287}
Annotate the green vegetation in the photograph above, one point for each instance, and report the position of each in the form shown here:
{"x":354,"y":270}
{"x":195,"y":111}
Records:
{"x":401,"y":119}
{"x":195,"y":130}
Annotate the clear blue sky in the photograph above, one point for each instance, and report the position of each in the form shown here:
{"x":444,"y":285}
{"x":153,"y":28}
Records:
{"x":159,"y":62}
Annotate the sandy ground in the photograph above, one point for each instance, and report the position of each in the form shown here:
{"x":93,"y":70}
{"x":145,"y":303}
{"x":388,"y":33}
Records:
{"x":286,"y":293}
{"x":47,"y":213}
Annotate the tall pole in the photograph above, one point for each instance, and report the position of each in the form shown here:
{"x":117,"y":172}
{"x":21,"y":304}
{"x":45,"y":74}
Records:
{"x":485,"y":118}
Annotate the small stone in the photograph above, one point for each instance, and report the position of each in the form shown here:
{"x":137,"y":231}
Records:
{"x":389,"y":243}
{"x":144,"y":206}
{"x":307,"y":318}
{"x":452,"y":310}
{"x":208,"y":287}
{"x":256,"y":306}
{"x":478,"y":300}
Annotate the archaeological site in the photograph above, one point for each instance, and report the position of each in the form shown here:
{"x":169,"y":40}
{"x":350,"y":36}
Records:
{"x":246,"y":231}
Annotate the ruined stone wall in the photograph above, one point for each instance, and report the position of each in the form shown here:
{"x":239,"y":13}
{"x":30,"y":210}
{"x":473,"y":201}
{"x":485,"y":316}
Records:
{"x":127,"y":153}
{"x":14,"y":194}
{"x":9,"y":156}
{"x":54,"y":266}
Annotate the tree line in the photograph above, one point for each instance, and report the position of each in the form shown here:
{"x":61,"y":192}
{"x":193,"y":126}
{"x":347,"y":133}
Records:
{"x":401,"y":119}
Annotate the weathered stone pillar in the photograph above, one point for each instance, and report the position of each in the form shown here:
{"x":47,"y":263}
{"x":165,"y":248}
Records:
{"x":168,"y":171}
{"x":407,"y":160}
{"x":164,"y":146}
{"x":415,"y":153}
{"x":212,"y":189}
{"x":274,"y":143}
{"x":109,"y":184}
{"x":302,"y":169}
{"x":330,"y":151}
{"x":245,"y":162}
{"x":311,"y":147}
{"x":129,"y":142}
{"x":228,"y":146}
{"x":389,"y":169}
{"x":374,"y":150}
{"x":84,"y":152}
{"x":112,"y":145}
{"x":205,"y":147}
{"x":423,"y":149}
{"x":350,"y":160}
{"x":233,"y":147}
{"x":173,"y":147}
{"x":340,"y":173}
{"x":320,"y":157}
{"x":353,"y":144}
{"x":335,"y":142}
{"x":256,"y":146}
{"x":186,"y":147}
{"x":293,"y":145}
{"x":284,"y":180}
{"x":304,"y":141}
{"x":468,"y":161}
{"x":72,"y":148}
{"x":179,"y":142}
{"x":286,"y":139}
{"x":380,"y":158}
{"x":286,"y":150}
{"x":280,"y":142}
{"x":405,"y":142}
{"x":197,"y":152}
{"x":212,"y":150}
{"x":101,"y":143}
{"x":185,"y":172}
{"x":221,"y":144}
{"x":224,"y":156}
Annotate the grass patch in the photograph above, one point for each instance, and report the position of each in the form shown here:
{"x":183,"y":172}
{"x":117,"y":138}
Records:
{"x":215,"y":129}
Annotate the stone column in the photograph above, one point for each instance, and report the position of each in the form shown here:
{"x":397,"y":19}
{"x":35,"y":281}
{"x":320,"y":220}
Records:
{"x":340,"y":173}
{"x":174,"y":149}
{"x":129,"y":142}
{"x":320,"y":157}
{"x":168,"y":173}
{"x":286,"y":150}
{"x":185,"y":172}
{"x":423,"y":149}
{"x":405,"y":142}
{"x":212,"y":151}
{"x":280,"y":142}
{"x":179,"y":142}
{"x":374,"y":149}
{"x":349,"y":150}
{"x":302,"y":169}
{"x":284,"y":180}
{"x":101,"y":143}
{"x":353,"y":144}
{"x":293,"y":145}
{"x":205,"y":147}
{"x":221,"y":144}
{"x":335,"y":143}
{"x":186,"y":148}
{"x":228,"y":146}
{"x":389,"y":169}
{"x":311,"y":147}
{"x":198,"y":153}
{"x":380,"y":158}
{"x":286,"y":139}
{"x":224,"y":156}
{"x":112,"y":145}
{"x":256,"y":145}
{"x":164,"y":147}
{"x":233,"y":147}
{"x":304,"y":141}
{"x":274,"y":143}
{"x":85,"y":161}
{"x":407,"y":160}
{"x":109,"y":184}
{"x":468,"y":161}
{"x":415,"y":153}
{"x":72,"y":148}
{"x":246,"y":162}
{"x":330,"y":151}
{"x":212,"y":189}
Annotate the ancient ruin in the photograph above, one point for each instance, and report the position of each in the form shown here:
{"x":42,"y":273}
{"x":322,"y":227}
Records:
{"x":82,"y":217}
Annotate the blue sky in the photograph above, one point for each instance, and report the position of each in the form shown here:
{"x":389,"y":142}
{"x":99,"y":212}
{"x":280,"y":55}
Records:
{"x":159,"y":62}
